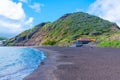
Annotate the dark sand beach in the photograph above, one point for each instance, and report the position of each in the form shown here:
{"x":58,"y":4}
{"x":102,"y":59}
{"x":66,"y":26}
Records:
{"x":83,"y":63}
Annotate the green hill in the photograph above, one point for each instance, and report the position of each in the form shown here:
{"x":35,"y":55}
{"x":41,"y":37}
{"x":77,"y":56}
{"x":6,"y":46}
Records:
{"x":2,"y":38}
{"x":66,"y":30}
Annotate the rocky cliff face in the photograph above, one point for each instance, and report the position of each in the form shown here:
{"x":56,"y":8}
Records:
{"x":23,"y":38}
{"x":65,"y":30}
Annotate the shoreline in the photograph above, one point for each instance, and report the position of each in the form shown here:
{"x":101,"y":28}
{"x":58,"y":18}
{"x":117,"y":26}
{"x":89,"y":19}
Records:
{"x":45,"y":71}
{"x":83,"y":63}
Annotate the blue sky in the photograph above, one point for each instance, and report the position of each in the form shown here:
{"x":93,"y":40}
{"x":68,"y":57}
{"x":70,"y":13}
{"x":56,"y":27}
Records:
{"x":19,"y":15}
{"x":53,"y":9}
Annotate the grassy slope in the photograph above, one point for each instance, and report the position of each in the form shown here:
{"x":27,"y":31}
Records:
{"x":2,"y":38}
{"x":111,"y":40}
{"x":72,"y":26}
{"x":68,"y":28}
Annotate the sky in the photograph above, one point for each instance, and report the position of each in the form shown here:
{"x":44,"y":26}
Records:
{"x":19,"y":15}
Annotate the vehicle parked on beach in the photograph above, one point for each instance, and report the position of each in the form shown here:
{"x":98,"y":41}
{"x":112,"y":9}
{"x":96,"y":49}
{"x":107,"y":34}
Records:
{"x":79,"y":44}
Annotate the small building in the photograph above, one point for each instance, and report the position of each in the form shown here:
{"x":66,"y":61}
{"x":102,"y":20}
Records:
{"x":83,"y":40}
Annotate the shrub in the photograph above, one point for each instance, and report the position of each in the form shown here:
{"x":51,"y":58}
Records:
{"x":49,"y":42}
{"x":114,"y":43}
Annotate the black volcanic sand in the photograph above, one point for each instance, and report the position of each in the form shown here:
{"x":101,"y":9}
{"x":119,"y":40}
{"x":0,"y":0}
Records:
{"x":84,"y":63}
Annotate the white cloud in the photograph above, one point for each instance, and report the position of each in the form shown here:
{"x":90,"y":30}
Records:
{"x":12,"y":17}
{"x":11,"y":10}
{"x":36,"y":7}
{"x":29,"y":22}
{"x":25,"y":1}
{"x":107,"y":9}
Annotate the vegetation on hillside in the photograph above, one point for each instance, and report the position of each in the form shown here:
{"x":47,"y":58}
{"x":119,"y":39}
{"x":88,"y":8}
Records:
{"x":114,"y":43}
{"x":111,"y":40}
{"x":2,"y":38}
{"x":69,"y":27}
{"x":66,"y":30}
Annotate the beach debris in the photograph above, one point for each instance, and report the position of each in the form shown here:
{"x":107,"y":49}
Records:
{"x":42,"y":62}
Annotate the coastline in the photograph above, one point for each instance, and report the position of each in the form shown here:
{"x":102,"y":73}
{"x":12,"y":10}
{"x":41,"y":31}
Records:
{"x":45,"y":71}
{"x":83,"y":63}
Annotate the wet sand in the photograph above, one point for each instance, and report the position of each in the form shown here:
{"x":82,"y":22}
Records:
{"x":84,"y":63}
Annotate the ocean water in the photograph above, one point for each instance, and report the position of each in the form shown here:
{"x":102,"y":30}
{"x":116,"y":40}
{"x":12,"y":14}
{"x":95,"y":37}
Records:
{"x":17,"y":63}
